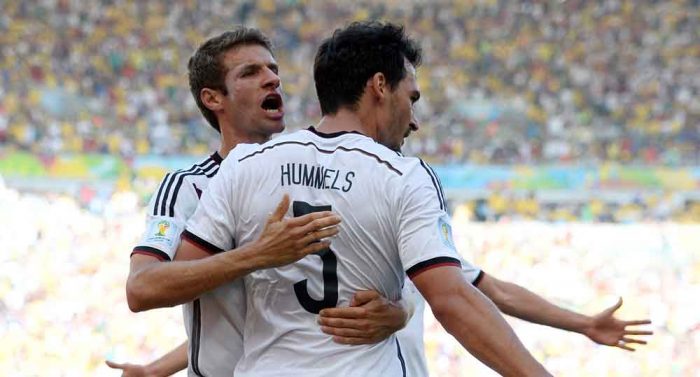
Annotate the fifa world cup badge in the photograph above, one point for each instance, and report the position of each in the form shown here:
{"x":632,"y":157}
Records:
{"x":162,"y":233}
{"x":445,"y":231}
{"x":163,"y":227}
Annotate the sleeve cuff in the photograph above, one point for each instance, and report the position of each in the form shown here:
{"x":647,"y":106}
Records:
{"x":430,"y":264}
{"x":152,"y":251}
{"x":200,"y":243}
{"x":478,"y":278}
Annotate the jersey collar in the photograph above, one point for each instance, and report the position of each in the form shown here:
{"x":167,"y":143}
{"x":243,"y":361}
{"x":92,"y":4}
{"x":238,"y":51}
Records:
{"x":331,"y":135}
{"x":216,"y":157}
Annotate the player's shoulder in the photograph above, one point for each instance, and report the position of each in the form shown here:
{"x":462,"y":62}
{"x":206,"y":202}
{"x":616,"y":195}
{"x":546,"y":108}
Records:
{"x":239,"y":152}
{"x":243,"y":152}
{"x":410,"y":167}
{"x":204,"y":167}
{"x":355,"y":142}
{"x":167,"y":198}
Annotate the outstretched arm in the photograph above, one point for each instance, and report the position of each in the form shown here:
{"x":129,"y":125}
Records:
{"x":171,"y":363}
{"x":475,"y":322}
{"x":602,"y":328}
{"x":283,"y":241}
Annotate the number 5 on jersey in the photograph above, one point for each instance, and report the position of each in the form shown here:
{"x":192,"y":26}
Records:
{"x":330,"y":275}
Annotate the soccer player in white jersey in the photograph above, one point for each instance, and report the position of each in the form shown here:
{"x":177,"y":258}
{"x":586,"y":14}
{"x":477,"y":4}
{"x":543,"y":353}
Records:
{"x":357,"y":325}
{"x":394,"y":222}
{"x":234,"y":80}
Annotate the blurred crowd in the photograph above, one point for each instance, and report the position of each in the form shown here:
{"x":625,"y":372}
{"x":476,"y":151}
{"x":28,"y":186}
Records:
{"x":501,"y":206}
{"x":503,"y":81}
{"x":62,"y":299}
{"x":63,"y":308}
{"x":587,"y":267}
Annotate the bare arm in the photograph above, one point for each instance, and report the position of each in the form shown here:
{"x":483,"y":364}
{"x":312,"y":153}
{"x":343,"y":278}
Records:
{"x":283,"y":241}
{"x":475,"y":322}
{"x":171,"y":363}
{"x":603,"y":328}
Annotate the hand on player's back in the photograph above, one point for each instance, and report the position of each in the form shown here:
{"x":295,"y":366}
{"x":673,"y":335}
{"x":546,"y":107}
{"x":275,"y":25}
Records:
{"x":286,"y":240}
{"x":370,"y":319}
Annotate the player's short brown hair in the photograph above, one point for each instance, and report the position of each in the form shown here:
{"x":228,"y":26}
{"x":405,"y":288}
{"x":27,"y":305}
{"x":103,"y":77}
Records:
{"x":206,"y":70}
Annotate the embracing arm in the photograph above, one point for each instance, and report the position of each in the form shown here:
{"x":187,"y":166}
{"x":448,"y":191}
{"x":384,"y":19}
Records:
{"x":369,"y":319}
{"x":152,"y":284}
{"x":475,"y":322}
{"x":602,"y":328}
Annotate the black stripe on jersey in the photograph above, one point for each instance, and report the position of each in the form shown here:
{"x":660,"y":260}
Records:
{"x":216,"y":157}
{"x":478,"y":278}
{"x":202,"y":244}
{"x":159,"y":207}
{"x":196,"y":334}
{"x":432,"y":263}
{"x":150,"y":251}
{"x":436,"y":183}
{"x":209,"y":172}
{"x":403,"y":363}
{"x":208,"y":167}
{"x":326,"y":151}
{"x":439,"y":182}
{"x":160,"y":192}
{"x":199,"y":169}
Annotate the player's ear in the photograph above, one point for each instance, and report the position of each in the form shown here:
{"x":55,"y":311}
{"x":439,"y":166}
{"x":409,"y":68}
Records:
{"x":377,"y":85}
{"x":211,"y":98}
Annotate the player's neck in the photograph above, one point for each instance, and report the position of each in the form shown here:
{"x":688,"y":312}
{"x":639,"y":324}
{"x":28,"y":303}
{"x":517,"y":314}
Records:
{"x":346,"y":121}
{"x":230,"y":138}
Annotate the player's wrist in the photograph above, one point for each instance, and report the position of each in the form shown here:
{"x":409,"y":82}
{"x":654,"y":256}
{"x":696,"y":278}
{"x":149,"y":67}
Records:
{"x":403,"y":313}
{"x":152,"y":370}
{"x":585,"y":325}
{"x":247,"y":258}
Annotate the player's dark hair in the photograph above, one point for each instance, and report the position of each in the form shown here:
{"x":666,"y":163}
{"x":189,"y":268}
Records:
{"x":206,"y":69}
{"x":352,"y":55}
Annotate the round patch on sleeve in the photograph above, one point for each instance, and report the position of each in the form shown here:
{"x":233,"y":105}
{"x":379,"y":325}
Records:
{"x":445,"y":230}
{"x":162,"y":232}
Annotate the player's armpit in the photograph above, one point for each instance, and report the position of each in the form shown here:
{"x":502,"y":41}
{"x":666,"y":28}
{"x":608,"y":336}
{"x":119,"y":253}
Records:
{"x":370,"y":319}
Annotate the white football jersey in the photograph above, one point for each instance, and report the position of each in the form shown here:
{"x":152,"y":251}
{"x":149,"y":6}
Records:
{"x":394,"y":224}
{"x":214,"y":321}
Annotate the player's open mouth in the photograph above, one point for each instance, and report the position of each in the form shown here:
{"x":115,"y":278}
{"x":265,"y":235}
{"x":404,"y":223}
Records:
{"x":272,"y":104}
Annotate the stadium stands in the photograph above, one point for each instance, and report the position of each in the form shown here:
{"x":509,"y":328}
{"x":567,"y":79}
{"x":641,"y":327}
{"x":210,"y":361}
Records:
{"x":591,"y":97}
{"x":504,"y":82}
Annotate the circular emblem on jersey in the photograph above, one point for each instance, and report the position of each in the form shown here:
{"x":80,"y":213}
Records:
{"x":162,"y":232}
{"x":163,"y":227}
{"x":445,"y":231}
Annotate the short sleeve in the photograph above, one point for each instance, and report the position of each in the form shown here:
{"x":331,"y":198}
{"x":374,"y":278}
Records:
{"x":168,"y":210}
{"x":212,"y":224}
{"x":472,"y":273}
{"x":424,"y":227}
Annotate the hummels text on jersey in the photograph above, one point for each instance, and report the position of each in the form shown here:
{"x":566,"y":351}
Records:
{"x":317,"y":176}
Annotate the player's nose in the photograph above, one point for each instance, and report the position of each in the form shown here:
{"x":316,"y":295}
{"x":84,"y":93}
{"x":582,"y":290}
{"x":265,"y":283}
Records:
{"x":413,"y":125}
{"x":272,"y":79}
